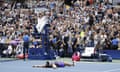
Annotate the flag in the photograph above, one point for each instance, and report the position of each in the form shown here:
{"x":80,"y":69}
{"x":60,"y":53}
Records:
{"x":41,"y":23}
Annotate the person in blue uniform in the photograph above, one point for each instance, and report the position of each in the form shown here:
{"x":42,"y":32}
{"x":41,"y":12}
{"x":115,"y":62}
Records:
{"x":26,"y":40}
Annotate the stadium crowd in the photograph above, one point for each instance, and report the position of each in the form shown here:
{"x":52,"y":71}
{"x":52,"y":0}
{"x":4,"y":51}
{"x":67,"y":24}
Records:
{"x":73,"y":26}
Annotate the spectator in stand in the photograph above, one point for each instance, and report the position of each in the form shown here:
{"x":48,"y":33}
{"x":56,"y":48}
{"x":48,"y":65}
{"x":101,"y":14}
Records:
{"x":89,"y":23}
{"x":115,"y":42}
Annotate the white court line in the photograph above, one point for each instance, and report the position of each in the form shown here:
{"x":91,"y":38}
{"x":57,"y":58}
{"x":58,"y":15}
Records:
{"x":112,"y":70}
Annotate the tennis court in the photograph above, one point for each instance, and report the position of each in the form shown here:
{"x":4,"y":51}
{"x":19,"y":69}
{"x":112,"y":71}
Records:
{"x":82,"y":66}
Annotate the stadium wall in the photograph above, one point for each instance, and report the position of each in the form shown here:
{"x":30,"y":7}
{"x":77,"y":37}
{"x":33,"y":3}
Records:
{"x":115,"y":54}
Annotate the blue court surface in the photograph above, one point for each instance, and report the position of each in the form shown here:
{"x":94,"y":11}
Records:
{"x":81,"y":66}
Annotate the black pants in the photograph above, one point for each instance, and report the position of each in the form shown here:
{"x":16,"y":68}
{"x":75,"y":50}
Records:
{"x":25,"y":48}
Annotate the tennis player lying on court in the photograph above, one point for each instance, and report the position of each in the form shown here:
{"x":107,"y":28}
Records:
{"x":53,"y":65}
